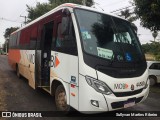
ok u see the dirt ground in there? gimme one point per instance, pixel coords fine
(3, 94)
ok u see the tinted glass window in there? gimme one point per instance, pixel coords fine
(155, 66)
(108, 37)
(60, 38)
(13, 40)
(66, 43)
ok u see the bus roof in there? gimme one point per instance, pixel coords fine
(65, 5)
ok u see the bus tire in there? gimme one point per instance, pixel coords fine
(17, 72)
(61, 100)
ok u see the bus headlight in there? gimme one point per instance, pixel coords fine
(99, 86)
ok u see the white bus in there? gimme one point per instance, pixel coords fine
(87, 59)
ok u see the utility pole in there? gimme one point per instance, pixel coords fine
(25, 18)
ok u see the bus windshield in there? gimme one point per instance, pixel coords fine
(108, 37)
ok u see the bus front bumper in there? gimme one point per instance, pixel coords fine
(115, 103)
(95, 102)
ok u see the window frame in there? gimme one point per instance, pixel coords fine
(152, 66)
(64, 49)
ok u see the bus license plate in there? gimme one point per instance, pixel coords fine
(129, 104)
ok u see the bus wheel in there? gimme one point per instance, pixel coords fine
(17, 72)
(61, 99)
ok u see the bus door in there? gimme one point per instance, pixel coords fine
(66, 55)
(43, 56)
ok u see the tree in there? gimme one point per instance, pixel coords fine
(8, 31)
(5, 46)
(152, 48)
(59, 2)
(87, 2)
(128, 15)
(149, 13)
(42, 8)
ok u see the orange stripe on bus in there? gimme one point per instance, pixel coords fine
(14, 55)
(57, 61)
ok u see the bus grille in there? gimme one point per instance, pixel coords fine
(124, 94)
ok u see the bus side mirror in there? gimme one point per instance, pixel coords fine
(65, 26)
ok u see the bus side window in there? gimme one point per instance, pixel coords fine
(59, 36)
(66, 43)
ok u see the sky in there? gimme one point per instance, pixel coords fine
(11, 10)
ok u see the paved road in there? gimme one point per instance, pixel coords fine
(16, 95)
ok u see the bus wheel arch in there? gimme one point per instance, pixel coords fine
(60, 94)
(54, 86)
